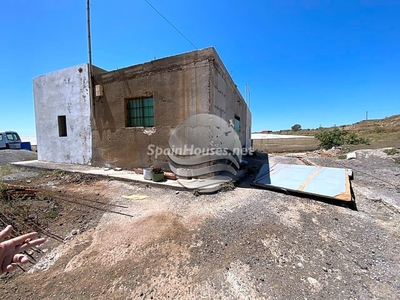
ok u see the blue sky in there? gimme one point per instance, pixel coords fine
(308, 62)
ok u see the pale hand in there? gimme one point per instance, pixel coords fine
(10, 250)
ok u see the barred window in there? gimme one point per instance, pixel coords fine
(140, 112)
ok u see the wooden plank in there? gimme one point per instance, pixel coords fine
(346, 196)
(309, 178)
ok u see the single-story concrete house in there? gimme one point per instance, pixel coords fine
(112, 121)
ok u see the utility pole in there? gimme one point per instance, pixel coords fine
(89, 51)
(247, 95)
(366, 115)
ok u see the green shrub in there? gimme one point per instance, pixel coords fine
(331, 138)
(337, 137)
(342, 156)
(353, 139)
(391, 151)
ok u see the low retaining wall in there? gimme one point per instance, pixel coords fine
(286, 144)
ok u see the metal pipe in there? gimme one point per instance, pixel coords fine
(89, 51)
(249, 100)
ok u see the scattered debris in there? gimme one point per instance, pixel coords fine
(170, 175)
(135, 197)
(351, 155)
(138, 170)
(306, 161)
(227, 186)
(9, 191)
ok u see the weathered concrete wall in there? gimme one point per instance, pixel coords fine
(65, 92)
(248, 129)
(227, 102)
(286, 144)
(180, 89)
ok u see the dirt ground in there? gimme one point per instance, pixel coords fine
(247, 243)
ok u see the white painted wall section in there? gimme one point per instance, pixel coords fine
(63, 93)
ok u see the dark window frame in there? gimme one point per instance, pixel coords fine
(16, 136)
(62, 126)
(237, 119)
(10, 137)
(139, 112)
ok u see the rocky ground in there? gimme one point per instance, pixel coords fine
(246, 243)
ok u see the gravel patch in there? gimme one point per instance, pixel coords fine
(20, 175)
(375, 175)
(9, 156)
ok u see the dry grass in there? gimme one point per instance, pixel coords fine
(381, 133)
(5, 170)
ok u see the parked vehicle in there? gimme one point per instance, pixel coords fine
(10, 140)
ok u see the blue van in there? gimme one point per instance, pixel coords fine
(10, 140)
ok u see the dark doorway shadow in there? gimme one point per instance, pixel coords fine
(250, 168)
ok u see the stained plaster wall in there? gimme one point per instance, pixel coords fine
(227, 102)
(64, 92)
(180, 86)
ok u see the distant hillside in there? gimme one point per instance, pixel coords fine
(386, 125)
(381, 132)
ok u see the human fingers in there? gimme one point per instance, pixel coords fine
(29, 244)
(19, 240)
(11, 260)
(10, 268)
(20, 258)
(7, 260)
(12, 255)
(5, 232)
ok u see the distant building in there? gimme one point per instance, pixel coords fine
(131, 108)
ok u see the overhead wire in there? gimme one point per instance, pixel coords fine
(172, 25)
